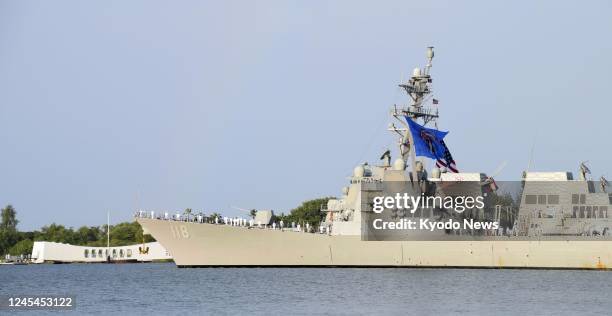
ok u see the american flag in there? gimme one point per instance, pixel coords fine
(448, 161)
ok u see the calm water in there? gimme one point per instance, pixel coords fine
(165, 289)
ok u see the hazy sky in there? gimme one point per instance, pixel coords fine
(114, 105)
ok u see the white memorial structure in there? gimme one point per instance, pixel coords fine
(45, 251)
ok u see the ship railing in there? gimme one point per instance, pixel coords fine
(192, 218)
(235, 222)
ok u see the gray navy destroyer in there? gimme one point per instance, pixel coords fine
(554, 222)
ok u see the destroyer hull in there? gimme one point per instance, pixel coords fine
(209, 245)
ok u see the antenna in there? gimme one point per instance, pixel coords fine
(137, 200)
(240, 208)
(499, 168)
(603, 182)
(530, 157)
(530, 163)
(584, 170)
(430, 55)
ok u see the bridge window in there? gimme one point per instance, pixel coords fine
(86, 253)
(610, 197)
(121, 253)
(575, 199)
(93, 253)
(582, 198)
(129, 253)
(604, 210)
(553, 199)
(582, 212)
(531, 199)
(588, 211)
(575, 213)
(595, 211)
(541, 199)
(114, 253)
(100, 253)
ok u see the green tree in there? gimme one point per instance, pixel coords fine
(124, 234)
(24, 247)
(308, 212)
(213, 216)
(58, 233)
(17, 243)
(7, 239)
(253, 213)
(9, 218)
(87, 235)
(8, 229)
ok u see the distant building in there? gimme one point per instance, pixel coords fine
(45, 251)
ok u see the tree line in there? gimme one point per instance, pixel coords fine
(15, 242)
(308, 212)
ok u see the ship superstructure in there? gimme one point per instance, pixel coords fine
(345, 215)
(554, 204)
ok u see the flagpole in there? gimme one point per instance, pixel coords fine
(107, 235)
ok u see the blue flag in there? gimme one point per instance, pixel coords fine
(427, 141)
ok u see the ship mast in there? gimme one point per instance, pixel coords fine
(419, 90)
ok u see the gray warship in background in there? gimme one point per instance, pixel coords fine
(555, 222)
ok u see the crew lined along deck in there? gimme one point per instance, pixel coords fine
(260, 221)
